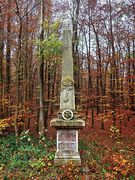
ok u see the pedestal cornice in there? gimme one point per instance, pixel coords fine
(67, 124)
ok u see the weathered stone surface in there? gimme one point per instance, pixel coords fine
(67, 124)
(67, 97)
(59, 161)
(68, 121)
(67, 147)
(67, 140)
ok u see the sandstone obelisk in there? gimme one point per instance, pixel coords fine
(68, 122)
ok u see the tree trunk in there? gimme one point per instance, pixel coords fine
(76, 7)
(19, 50)
(1, 62)
(113, 62)
(41, 75)
(92, 119)
(8, 50)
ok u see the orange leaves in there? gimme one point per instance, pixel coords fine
(109, 176)
(69, 171)
(117, 166)
(122, 165)
(4, 101)
(104, 117)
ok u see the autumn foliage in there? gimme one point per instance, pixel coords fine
(104, 75)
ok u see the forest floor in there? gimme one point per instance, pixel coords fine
(107, 153)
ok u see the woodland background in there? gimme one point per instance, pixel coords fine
(31, 55)
(103, 36)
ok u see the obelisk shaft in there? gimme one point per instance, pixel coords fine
(67, 97)
(68, 122)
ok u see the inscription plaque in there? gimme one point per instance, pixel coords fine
(67, 136)
(67, 140)
(67, 146)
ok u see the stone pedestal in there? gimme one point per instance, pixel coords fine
(67, 140)
(67, 147)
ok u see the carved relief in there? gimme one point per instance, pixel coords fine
(67, 87)
(67, 83)
(66, 97)
(67, 114)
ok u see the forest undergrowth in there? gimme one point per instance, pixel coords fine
(105, 154)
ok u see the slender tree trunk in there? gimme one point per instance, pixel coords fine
(27, 70)
(54, 79)
(1, 62)
(92, 118)
(97, 95)
(89, 70)
(133, 79)
(41, 75)
(19, 50)
(76, 8)
(100, 89)
(8, 50)
(113, 62)
(26, 59)
(130, 79)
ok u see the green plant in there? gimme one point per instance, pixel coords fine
(37, 164)
(7, 147)
(25, 137)
(50, 156)
(51, 46)
(19, 161)
(83, 145)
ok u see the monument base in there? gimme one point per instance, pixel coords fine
(63, 159)
(67, 147)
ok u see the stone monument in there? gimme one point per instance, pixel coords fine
(68, 121)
